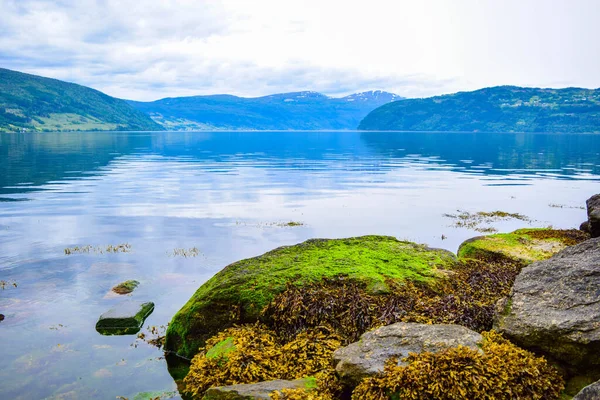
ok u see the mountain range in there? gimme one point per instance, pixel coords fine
(34, 103)
(494, 109)
(285, 111)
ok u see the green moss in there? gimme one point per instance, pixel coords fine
(221, 349)
(311, 382)
(120, 323)
(508, 307)
(576, 383)
(240, 291)
(523, 245)
(125, 287)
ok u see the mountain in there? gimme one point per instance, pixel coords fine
(33, 103)
(495, 109)
(286, 111)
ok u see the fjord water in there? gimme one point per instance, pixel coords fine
(229, 194)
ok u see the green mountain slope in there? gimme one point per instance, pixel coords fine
(33, 103)
(286, 111)
(495, 109)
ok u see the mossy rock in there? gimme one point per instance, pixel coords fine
(523, 246)
(125, 318)
(125, 287)
(239, 292)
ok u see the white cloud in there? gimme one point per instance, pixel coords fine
(157, 48)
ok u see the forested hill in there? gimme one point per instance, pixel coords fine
(286, 111)
(33, 103)
(495, 109)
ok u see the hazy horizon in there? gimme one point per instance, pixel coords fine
(172, 48)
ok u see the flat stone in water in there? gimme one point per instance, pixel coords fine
(257, 391)
(125, 318)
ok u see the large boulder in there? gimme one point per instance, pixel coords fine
(590, 392)
(554, 306)
(239, 292)
(367, 357)
(523, 246)
(258, 391)
(593, 212)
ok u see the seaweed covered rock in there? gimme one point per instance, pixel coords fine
(501, 371)
(368, 356)
(590, 392)
(252, 353)
(593, 212)
(523, 246)
(239, 292)
(465, 296)
(258, 391)
(554, 306)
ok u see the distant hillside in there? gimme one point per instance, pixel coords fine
(34, 103)
(300, 110)
(496, 109)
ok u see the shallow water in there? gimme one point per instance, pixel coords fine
(229, 194)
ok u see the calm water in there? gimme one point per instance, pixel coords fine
(225, 193)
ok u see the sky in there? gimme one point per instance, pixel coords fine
(151, 49)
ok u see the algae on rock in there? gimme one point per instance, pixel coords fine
(524, 245)
(239, 292)
(125, 318)
(125, 287)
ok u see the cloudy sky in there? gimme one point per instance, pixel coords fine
(149, 49)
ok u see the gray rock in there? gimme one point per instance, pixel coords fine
(125, 318)
(260, 390)
(554, 306)
(368, 356)
(590, 392)
(585, 226)
(593, 212)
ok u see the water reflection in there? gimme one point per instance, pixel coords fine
(228, 194)
(31, 161)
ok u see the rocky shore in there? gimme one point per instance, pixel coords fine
(512, 316)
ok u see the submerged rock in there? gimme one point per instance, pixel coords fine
(261, 390)
(522, 246)
(367, 357)
(239, 292)
(125, 287)
(125, 318)
(593, 212)
(590, 392)
(554, 306)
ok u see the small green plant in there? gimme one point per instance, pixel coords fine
(181, 252)
(291, 224)
(4, 284)
(118, 248)
(476, 221)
